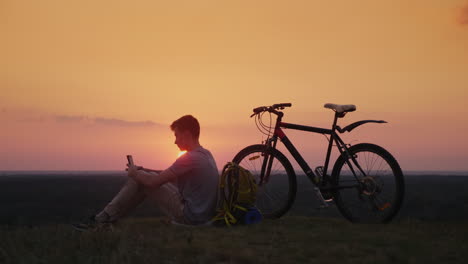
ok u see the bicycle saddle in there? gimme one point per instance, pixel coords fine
(341, 108)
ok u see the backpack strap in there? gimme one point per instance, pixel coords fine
(230, 178)
(224, 212)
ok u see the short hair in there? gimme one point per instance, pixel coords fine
(187, 123)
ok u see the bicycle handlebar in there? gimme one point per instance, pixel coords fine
(282, 106)
(271, 109)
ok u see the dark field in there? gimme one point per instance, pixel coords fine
(292, 239)
(37, 199)
(35, 212)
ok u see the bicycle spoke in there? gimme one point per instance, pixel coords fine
(378, 197)
(277, 191)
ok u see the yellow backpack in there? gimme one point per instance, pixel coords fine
(237, 193)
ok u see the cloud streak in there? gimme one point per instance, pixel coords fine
(124, 123)
(70, 119)
(462, 17)
(105, 121)
(36, 116)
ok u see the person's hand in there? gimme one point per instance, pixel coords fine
(132, 170)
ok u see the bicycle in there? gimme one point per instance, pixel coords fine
(366, 182)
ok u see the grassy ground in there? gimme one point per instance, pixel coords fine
(288, 240)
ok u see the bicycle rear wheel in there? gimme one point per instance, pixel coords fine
(376, 196)
(276, 194)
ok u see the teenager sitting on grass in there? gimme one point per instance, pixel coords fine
(186, 191)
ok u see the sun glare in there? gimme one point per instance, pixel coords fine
(182, 153)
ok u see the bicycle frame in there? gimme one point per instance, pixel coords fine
(342, 148)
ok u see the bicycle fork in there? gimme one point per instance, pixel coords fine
(267, 161)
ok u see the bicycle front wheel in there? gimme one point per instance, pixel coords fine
(374, 193)
(277, 191)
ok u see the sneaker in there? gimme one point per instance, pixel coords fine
(327, 194)
(91, 225)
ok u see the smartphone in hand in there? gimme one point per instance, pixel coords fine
(130, 162)
(130, 159)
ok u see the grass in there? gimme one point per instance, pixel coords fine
(288, 240)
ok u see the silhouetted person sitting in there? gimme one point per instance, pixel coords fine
(186, 191)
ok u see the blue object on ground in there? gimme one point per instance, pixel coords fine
(252, 216)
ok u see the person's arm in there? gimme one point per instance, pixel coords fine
(150, 170)
(150, 178)
(145, 169)
(181, 166)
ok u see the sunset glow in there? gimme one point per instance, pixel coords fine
(83, 83)
(181, 153)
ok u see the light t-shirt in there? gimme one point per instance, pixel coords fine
(197, 180)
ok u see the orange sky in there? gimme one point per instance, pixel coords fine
(83, 83)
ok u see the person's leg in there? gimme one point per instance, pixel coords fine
(128, 198)
(169, 200)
